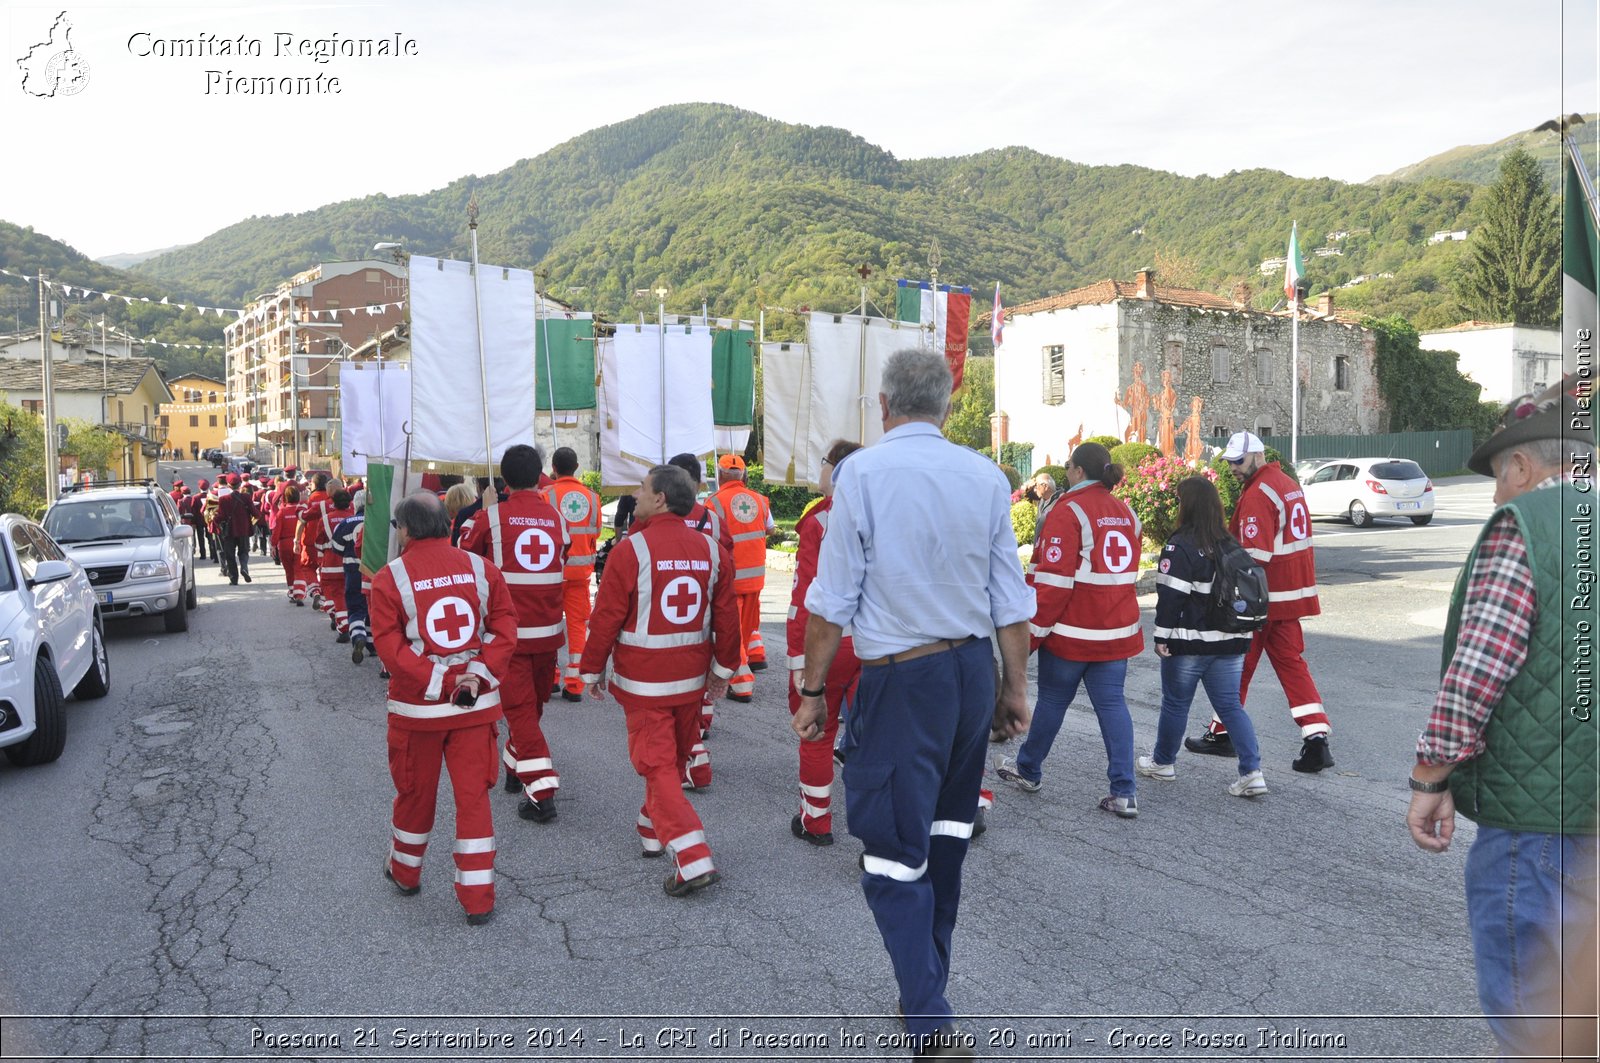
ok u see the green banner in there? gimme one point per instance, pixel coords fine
(375, 533)
(733, 377)
(572, 367)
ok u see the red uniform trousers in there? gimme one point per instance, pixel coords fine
(659, 740)
(1285, 646)
(414, 761)
(523, 691)
(576, 606)
(330, 577)
(291, 574)
(816, 758)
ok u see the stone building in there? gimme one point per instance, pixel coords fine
(1506, 360)
(1066, 367)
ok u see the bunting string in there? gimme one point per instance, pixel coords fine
(258, 314)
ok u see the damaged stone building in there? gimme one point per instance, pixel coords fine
(1066, 367)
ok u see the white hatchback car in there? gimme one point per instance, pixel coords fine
(51, 640)
(1365, 488)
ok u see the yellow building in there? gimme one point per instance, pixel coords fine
(195, 419)
(122, 396)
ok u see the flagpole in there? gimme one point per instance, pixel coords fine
(549, 370)
(52, 461)
(661, 337)
(861, 372)
(1294, 382)
(1589, 195)
(477, 310)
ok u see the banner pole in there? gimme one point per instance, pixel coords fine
(477, 310)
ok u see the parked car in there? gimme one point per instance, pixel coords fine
(1365, 488)
(138, 554)
(51, 640)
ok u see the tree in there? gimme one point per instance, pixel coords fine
(1513, 267)
(970, 406)
(1425, 390)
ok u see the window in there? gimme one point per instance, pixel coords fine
(1264, 367)
(331, 304)
(1174, 360)
(194, 420)
(1221, 364)
(164, 420)
(1263, 428)
(391, 287)
(1324, 474)
(1398, 470)
(211, 396)
(33, 405)
(1219, 430)
(121, 415)
(1054, 361)
(27, 551)
(374, 276)
(213, 420)
(1341, 373)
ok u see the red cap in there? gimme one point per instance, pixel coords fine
(203, 484)
(233, 479)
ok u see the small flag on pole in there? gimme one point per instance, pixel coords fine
(945, 311)
(1580, 254)
(1294, 266)
(998, 326)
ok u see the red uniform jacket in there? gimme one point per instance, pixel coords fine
(1272, 522)
(811, 527)
(286, 523)
(706, 520)
(666, 606)
(527, 541)
(324, 517)
(438, 615)
(1085, 566)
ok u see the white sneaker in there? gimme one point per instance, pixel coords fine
(1147, 766)
(1006, 768)
(1251, 785)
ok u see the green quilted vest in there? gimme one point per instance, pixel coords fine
(1541, 762)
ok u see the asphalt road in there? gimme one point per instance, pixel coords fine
(199, 875)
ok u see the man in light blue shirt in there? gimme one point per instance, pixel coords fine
(921, 562)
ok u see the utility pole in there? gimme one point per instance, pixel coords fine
(52, 459)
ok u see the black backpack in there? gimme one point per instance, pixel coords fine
(1238, 600)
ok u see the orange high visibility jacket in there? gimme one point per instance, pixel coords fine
(745, 512)
(580, 512)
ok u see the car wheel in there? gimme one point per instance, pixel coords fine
(1359, 515)
(50, 721)
(96, 682)
(1420, 521)
(177, 618)
(191, 597)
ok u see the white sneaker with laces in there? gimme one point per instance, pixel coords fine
(1251, 785)
(1146, 765)
(1006, 768)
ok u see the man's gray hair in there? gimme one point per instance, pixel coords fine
(1558, 452)
(916, 384)
(422, 516)
(675, 484)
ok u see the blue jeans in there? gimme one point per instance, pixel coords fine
(1531, 906)
(1180, 675)
(1058, 685)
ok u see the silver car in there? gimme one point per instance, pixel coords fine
(138, 554)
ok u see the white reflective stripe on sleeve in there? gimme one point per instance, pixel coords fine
(950, 828)
(475, 845)
(750, 573)
(404, 858)
(481, 670)
(721, 672)
(1036, 631)
(797, 663)
(435, 683)
(1093, 634)
(1291, 596)
(590, 680)
(474, 878)
(657, 690)
(1259, 555)
(1052, 579)
(1106, 579)
(536, 764)
(677, 638)
(695, 869)
(1182, 586)
(1294, 546)
(794, 611)
(410, 838)
(1191, 635)
(875, 865)
(816, 791)
(539, 632)
(442, 709)
(531, 579)
(684, 841)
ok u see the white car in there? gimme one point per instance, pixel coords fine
(1365, 488)
(138, 553)
(51, 640)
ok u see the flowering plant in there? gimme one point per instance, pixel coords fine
(1151, 491)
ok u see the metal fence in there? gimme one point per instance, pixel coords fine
(1437, 452)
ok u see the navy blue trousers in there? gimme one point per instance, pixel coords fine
(355, 604)
(917, 734)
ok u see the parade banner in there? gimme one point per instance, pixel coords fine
(566, 344)
(449, 388)
(944, 315)
(374, 409)
(733, 371)
(616, 470)
(675, 385)
(786, 412)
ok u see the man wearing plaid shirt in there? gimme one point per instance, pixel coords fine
(1511, 742)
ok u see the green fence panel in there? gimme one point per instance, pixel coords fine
(1439, 453)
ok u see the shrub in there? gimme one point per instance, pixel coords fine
(1228, 486)
(1109, 442)
(591, 480)
(1059, 472)
(1151, 491)
(1013, 477)
(1024, 522)
(787, 502)
(1132, 455)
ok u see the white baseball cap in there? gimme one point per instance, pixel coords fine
(1242, 443)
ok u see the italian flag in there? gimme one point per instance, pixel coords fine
(1579, 255)
(1294, 267)
(947, 310)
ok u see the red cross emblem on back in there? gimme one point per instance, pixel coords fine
(450, 622)
(681, 602)
(533, 549)
(1116, 551)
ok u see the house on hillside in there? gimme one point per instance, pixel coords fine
(125, 397)
(1067, 363)
(79, 346)
(1506, 360)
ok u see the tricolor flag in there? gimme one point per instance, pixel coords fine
(998, 327)
(947, 311)
(1294, 266)
(1580, 253)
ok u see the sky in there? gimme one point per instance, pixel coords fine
(153, 151)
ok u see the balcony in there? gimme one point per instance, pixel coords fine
(139, 432)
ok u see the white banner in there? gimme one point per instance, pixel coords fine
(682, 391)
(447, 420)
(374, 411)
(615, 469)
(786, 412)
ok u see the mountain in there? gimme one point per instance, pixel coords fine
(126, 259)
(1479, 164)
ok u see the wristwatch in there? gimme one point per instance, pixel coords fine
(1429, 787)
(817, 693)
